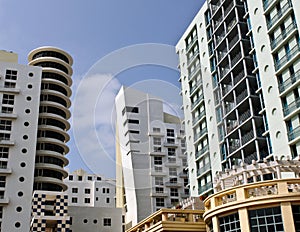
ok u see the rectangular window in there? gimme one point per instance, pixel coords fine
(268, 219)
(182, 143)
(99, 178)
(1, 211)
(106, 221)
(173, 171)
(3, 164)
(103, 190)
(74, 199)
(158, 168)
(107, 200)
(4, 136)
(4, 152)
(131, 132)
(89, 178)
(157, 149)
(11, 75)
(8, 99)
(160, 202)
(159, 181)
(170, 133)
(156, 141)
(159, 190)
(133, 121)
(7, 110)
(157, 160)
(171, 141)
(130, 109)
(107, 190)
(5, 125)
(87, 200)
(156, 130)
(87, 191)
(2, 181)
(79, 178)
(74, 190)
(8, 84)
(174, 192)
(171, 152)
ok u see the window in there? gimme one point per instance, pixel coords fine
(173, 171)
(171, 141)
(74, 190)
(90, 178)
(8, 84)
(157, 149)
(171, 151)
(158, 169)
(174, 192)
(159, 181)
(231, 221)
(70, 177)
(103, 190)
(87, 200)
(11, 75)
(97, 189)
(170, 133)
(74, 199)
(173, 180)
(156, 130)
(87, 191)
(3, 164)
(7, 110)
(159, 189)
(8, 99)
(98, 178)
(131, 132)
(130, 109)
(79, 178)
(5, 125)
(107, 200)
(183, 143)
(156, 141)
(2, 181)
(132, 121)
(106, 221)
(174, 201)
(157, 160)
(160, 202)
(268, 219)
(4, 152)
(107, 190)
(4, 136)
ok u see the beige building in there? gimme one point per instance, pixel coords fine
(172, 220)
(257, 197)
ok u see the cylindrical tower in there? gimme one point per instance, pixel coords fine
(53, 115)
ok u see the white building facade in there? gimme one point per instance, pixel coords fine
(239, 64)
(151, 154)
(90, 190)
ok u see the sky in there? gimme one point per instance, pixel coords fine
(113, 43)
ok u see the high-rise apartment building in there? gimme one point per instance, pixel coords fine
(33, 131)
(239, 64)
(150, 155)
(90, 190)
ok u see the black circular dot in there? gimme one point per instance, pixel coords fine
(17, 224)
(25, 137)
(23, 164)
(29, 86)
(26, 124)
(20, 194)
(30, 74)
(21, 179)
(27, 111)
(24, 150)
(19, 209)
(95, 221)
(28, 98)
(85, 221)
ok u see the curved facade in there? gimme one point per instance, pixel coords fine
(53, 115)
(258, 197)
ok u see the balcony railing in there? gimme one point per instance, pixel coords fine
(224, 72)
(267, 3)
(229, 7)
(196, 69)
(294, 133)
(276, 17)
(290, 81)
(200, 134)
(241, 96)
(203, 169)
(192, 57)
(247, 137)
(231, 126)
(191, 43)
(288, 56)
(195, 86)
(202, 151)
(205, 187)
(200, 98)
(229, 106)
(233, 41)
(173, 184)
(244, 116)
(291, 107)
(236, 59)
(238, 77)
(198, 117)
(283, 35)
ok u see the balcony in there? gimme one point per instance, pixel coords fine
(233, 41)
(226, 89)
(294, 133)
(289, 82)
(267, 3)
(201, 152)
(173, 184)
(283, 35)
(191, 43)
(244, 116)
(155, 193)
(195, 70)
(203, 169)
(229, 8)
(200, 134)
(229, 106)
(241, 96)
(171, 144)
(190, 60)
(236, 59)
(195, 86)
(205, 187)
(232, 125)
(238, 77)
(199, 99)
(279, 14)
(201, 115)
(288, 56)
(224, 71)
(291, 107)
(247, 137)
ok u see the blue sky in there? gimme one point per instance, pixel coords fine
(90, 31)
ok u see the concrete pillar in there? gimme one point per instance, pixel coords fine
(287, 217)
(244, 220)
(215, 223)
